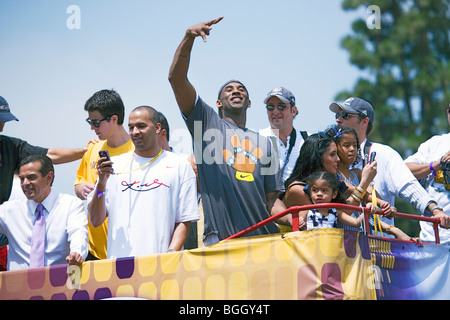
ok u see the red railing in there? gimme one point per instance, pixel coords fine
(294, 211)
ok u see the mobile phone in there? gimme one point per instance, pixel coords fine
(372, 157)
(105, 154)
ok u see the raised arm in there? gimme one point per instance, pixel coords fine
(97, 206)
(184, 91)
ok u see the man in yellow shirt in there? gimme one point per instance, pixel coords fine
(106, 115)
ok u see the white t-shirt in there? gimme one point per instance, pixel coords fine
(432, 150)
(144, 202)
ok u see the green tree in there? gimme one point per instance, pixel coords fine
(405, 67)
(405, 70)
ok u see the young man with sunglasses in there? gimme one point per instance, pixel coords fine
(281, 112)
(236, 194)
(431, 165)
(393, 179)
(105, 117)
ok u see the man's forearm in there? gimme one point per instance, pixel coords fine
(97, 208)
(182, 88)
(180, 235)
(64, 155)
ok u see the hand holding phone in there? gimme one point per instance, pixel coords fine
(105, 154)
(372, 157)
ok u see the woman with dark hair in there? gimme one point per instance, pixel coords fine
(318, 153)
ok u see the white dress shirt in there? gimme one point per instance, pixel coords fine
(394, 179)
(66, 229)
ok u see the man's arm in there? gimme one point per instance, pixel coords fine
(97, 206)
(184, 91)
(420, 170)
(180, 234)
(77, 234)
(275, 206)
(83, 189)
(64, 155)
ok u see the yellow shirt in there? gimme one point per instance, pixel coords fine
(87, 172)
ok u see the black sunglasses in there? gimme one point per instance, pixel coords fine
(96, 123)
(271, 107)
(345, 115)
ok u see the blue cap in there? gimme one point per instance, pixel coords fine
(5, 112)
(355, 105)
(281, 93)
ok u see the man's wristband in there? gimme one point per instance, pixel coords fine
(99, 193)
(432, 169)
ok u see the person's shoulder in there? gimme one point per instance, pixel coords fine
(173, 157)
(437, 139)
(94, 146)
(11, 140)
(266, 132)
(68, 199)
(14, 204)
(384, 148)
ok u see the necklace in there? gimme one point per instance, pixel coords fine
(143, 166)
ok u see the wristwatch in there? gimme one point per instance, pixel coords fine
(429, 213)
(436, 207)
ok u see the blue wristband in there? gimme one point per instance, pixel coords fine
(99, 193)
(432, 170)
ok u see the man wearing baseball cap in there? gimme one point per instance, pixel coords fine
(281, 112)
(5, 112)
(394, 179)
(13, 151)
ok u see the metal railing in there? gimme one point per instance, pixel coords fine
(294, 211)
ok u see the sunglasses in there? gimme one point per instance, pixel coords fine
(346, 115)
(271, 107)
(96, 123)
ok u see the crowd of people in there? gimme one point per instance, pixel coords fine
(133, 195)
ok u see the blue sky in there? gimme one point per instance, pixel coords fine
(49, 71)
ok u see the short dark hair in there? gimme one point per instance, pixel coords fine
(153, 114)
(333, 182)
(164, 124)
(46, 163)
(108, 103)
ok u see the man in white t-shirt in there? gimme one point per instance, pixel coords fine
(430, 164)
(393, 179)
(281, 111)
(149, 195)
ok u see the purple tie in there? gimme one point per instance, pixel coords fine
(38, 239)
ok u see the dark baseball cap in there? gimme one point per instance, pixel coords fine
(281, 93)
(227, 83)
(5, 112)
(355, 105)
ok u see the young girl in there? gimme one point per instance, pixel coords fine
(324, 187)
(348, 150)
